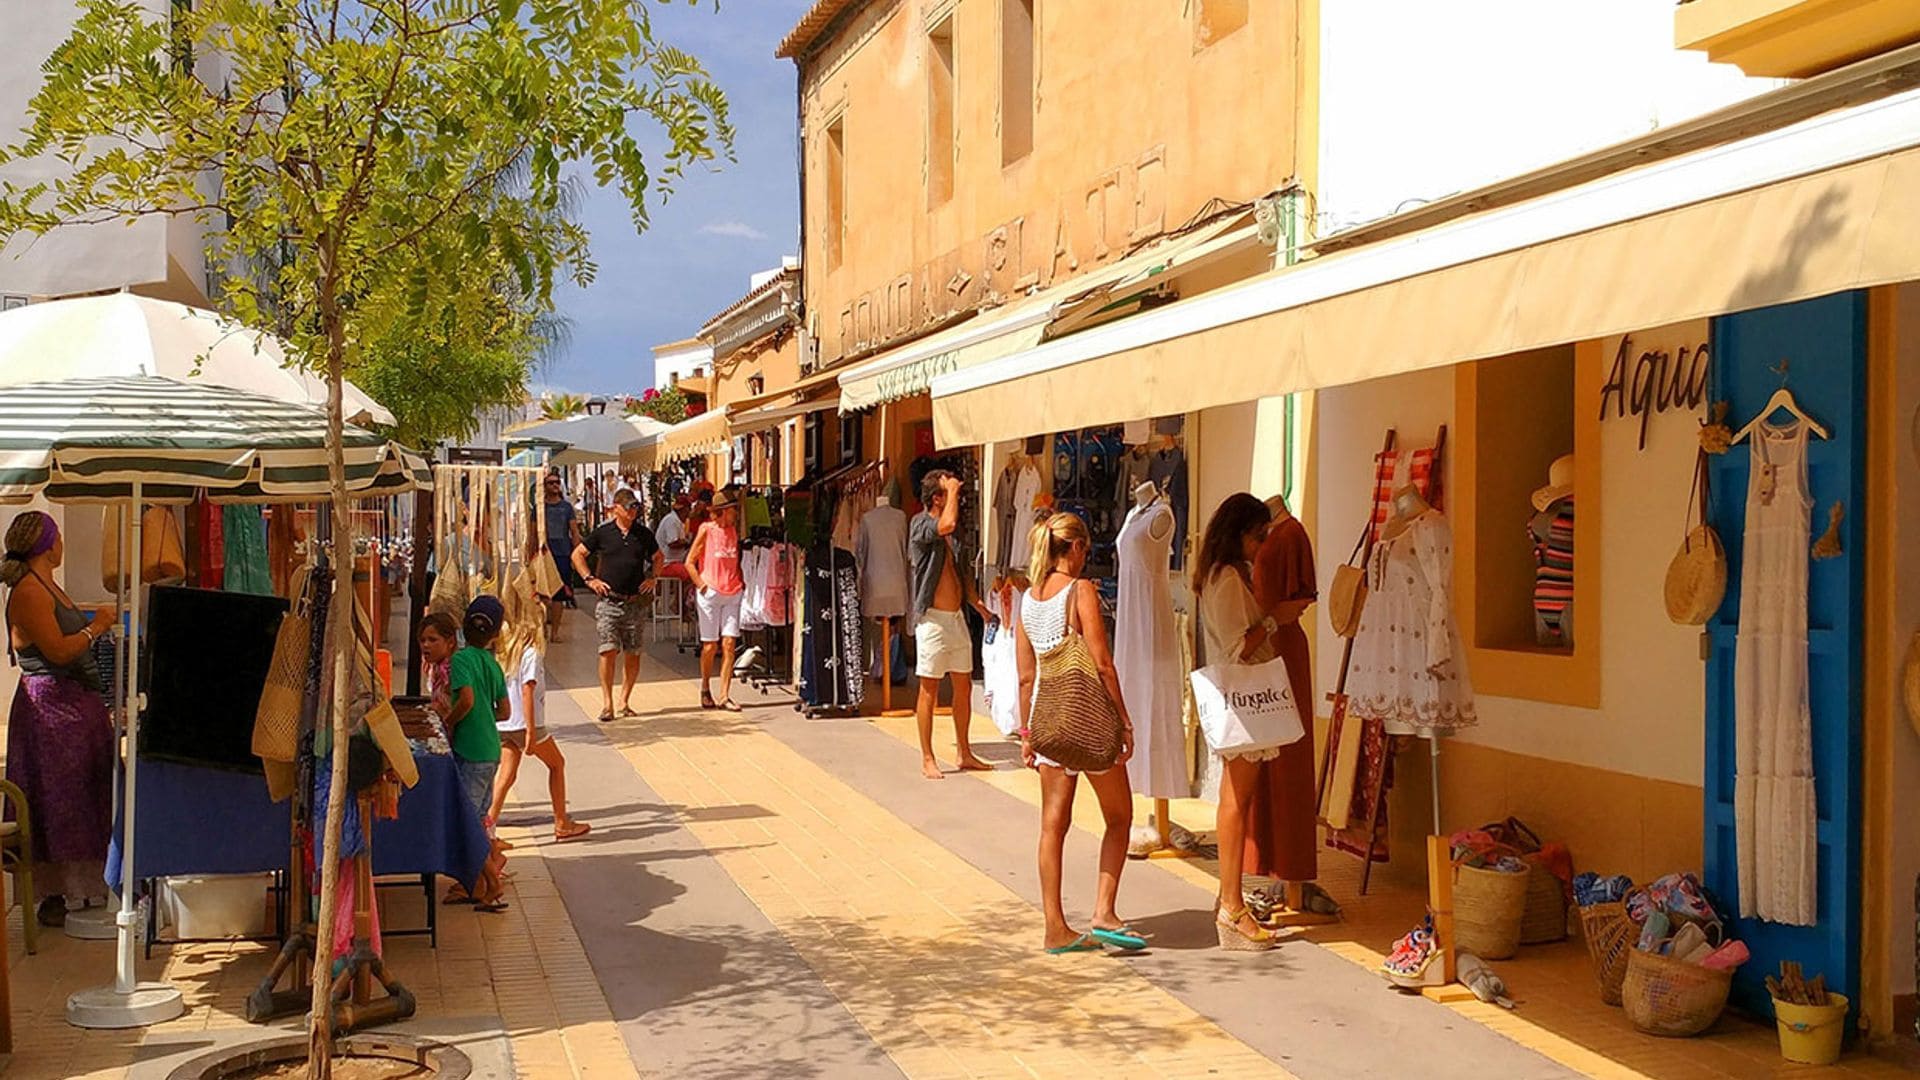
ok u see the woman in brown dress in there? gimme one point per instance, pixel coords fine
(1281, 841)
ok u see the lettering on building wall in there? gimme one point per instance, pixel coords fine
(1655, 382)
(1090, 224)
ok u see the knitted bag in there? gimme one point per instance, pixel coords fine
(1074, 721)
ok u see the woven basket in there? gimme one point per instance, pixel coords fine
(276, 721)
(1487, 908)
(1545, 918)
(1610, 936)
(1664, 996)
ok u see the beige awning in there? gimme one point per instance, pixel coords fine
(1022, 324)
(748, 421)
(1765, 222)
(695, 436)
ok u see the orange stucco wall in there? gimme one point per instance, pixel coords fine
(1136, 124)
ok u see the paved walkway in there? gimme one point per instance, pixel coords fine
(766, 895)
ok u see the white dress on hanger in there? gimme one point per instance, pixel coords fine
(1025, 489)
(1001, 660)
(1146, 654)
(1409, 666)
(1774, 816)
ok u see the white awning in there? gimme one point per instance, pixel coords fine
(1022, 324)
(1825, 205)
(695, 436)
(770, 416)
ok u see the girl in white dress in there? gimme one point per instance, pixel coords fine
(1060, 546)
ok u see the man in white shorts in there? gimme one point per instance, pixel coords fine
(941, 640)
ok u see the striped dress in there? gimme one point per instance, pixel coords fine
(1553, 574)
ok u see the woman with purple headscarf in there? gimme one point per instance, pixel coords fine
(59, 737)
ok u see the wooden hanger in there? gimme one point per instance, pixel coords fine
(1782, 399)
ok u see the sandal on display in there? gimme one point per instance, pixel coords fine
(1317, 899)
(1410, 965)
(1083, 943)
(1125, 938)
(1233, 939)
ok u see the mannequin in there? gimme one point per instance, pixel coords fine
(880, 553)
(1146, 656)
(1167, 468)
(1014, 492)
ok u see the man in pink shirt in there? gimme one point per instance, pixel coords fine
(713, 568)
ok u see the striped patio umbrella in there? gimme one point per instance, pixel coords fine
(91, 439)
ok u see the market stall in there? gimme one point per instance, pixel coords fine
(151, 440)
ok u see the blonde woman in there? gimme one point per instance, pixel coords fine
(521, 651)
(1058, 604)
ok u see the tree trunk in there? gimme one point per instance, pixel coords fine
(340, 615)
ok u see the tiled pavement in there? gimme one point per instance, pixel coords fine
(766, 895)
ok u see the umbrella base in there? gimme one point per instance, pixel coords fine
(105, 1007)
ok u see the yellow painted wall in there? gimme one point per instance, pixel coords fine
(1619, 783)
(778, 362)
(1136, 126)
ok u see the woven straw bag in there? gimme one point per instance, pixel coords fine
(1545, 918)
(382, 722)
(1487, 909)
(276, 721)
(1074, 722)
(1697, 577)
(1664, 996)
(1610, 936)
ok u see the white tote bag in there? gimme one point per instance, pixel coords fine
(1246, 707)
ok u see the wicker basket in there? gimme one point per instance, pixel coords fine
(1487, 909)
(1610, 936)
(1664, 996)
(1545, 918)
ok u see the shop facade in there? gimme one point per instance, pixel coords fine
(1595, 321)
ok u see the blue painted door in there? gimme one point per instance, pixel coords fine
(1824, 343)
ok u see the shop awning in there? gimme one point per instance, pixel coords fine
(695, 436)
(1825, 205)
(1023, 324)
(748, 421)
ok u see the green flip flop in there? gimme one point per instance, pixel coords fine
(1125, 938)
(1083, 943)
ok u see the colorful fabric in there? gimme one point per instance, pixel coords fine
(244, 531)
(1590, 889)
(60, 752)
(1553, 571)
(1420, 475)
(1375, 774)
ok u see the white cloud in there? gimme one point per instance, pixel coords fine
(738, 230)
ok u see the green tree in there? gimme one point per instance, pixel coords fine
(561, 406)
(360, 159)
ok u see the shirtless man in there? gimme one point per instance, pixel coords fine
(940, 636)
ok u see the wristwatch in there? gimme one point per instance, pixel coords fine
(1270, 625)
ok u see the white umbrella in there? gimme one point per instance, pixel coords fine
(588, 439)
(122, 334)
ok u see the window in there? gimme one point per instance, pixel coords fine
(756, 385)
(1016, 79)
(1531, 633)
(853, 430)
(1215, 19)
(836, 181)
(941, 128)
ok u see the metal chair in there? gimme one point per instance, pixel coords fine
(16, 858)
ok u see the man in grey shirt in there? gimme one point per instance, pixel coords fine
(942, 643)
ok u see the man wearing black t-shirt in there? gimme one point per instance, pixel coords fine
(628, 561)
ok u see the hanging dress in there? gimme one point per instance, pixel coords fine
(1773, 810)
(1146, 654)
(1409, 666)
(1282, 834)
(1001, 660)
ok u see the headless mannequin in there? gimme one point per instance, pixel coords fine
(886, 637)
(1146, 496)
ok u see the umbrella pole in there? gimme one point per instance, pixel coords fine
(128, 1002)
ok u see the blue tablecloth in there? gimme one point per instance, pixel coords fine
(196, 820)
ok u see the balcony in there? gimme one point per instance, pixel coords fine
(1794, 38)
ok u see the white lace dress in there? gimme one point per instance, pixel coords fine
(1773, 809)
(1409, 665)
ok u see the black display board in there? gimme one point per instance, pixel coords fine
(206, 661)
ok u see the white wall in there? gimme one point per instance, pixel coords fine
(1420, 100)
(1650, 722)
(75, 259)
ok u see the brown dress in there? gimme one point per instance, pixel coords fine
(1281, 840)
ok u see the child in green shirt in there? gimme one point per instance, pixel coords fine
(477, 692)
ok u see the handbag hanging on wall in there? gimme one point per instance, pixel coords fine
(1697, 577)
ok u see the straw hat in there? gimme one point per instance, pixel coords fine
(1697, 578)
(1559, 483)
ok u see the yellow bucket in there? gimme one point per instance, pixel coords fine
(1810, 1034)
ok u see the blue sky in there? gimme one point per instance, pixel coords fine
(719, 228)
